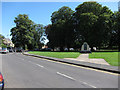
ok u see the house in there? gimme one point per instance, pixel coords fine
(8, 42)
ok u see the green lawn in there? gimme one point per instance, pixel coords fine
(57, 54)
(110, 57)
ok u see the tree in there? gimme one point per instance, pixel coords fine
(38, 36)
(61, 30)
(115, 34)
(50, 36)
(23, 32)
(92, 24)
(3, 45)
(26, 33)
(1, 36)
(1, 41)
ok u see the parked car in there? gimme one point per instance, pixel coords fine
(4, 50)
(18, 49)
(36, 49)
(0, 50)
(1, 82)
(10, 49)
(46, 49)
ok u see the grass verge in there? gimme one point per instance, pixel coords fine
(110, 57)
(56, 54)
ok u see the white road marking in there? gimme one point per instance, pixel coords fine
(75, 79)
(39, 65)
(29, 61)
(36, 64)
(65, 75)
(79, 66)
(88, 84)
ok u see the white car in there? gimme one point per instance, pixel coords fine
(4, 50)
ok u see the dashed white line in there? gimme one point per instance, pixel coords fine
(75, 79)
(29, 61)
(65, 75)
(88, 84)
(39, 65)
(36, 64)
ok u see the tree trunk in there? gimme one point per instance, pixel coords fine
(119, 48)
(68, 49)
(61, 49)
(92, 49)
(53, 49)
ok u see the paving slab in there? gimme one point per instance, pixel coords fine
(85, 58)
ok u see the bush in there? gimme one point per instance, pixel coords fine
(4, 46)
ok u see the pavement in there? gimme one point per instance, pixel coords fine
(85, 58)
(21, 71)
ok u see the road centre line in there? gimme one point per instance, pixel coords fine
(32, 62)
(65, 75)
(39, 65)
(69, 77)
(29, 61)
(88, 84)
(36, 64)
(75, 79)
(79, 66)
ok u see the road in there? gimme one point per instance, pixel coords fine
(22, 71)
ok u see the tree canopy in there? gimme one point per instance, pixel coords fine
(60, 33)
(93, 23)
(90, 22)
(26, 33)
(115, 34)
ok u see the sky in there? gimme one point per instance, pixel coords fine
(38, 12)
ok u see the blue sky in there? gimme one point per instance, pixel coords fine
(39, 12)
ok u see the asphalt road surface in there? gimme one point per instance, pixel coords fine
(22, 71)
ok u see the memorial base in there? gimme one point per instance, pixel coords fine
(85, 51)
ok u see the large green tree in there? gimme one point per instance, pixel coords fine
(26, 33)
(115, 34)
(50, 36)
(38, 36)
(93, 24)
(62, 29)
(23, 32)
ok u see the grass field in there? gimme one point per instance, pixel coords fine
(57, 54)
(110, 57)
